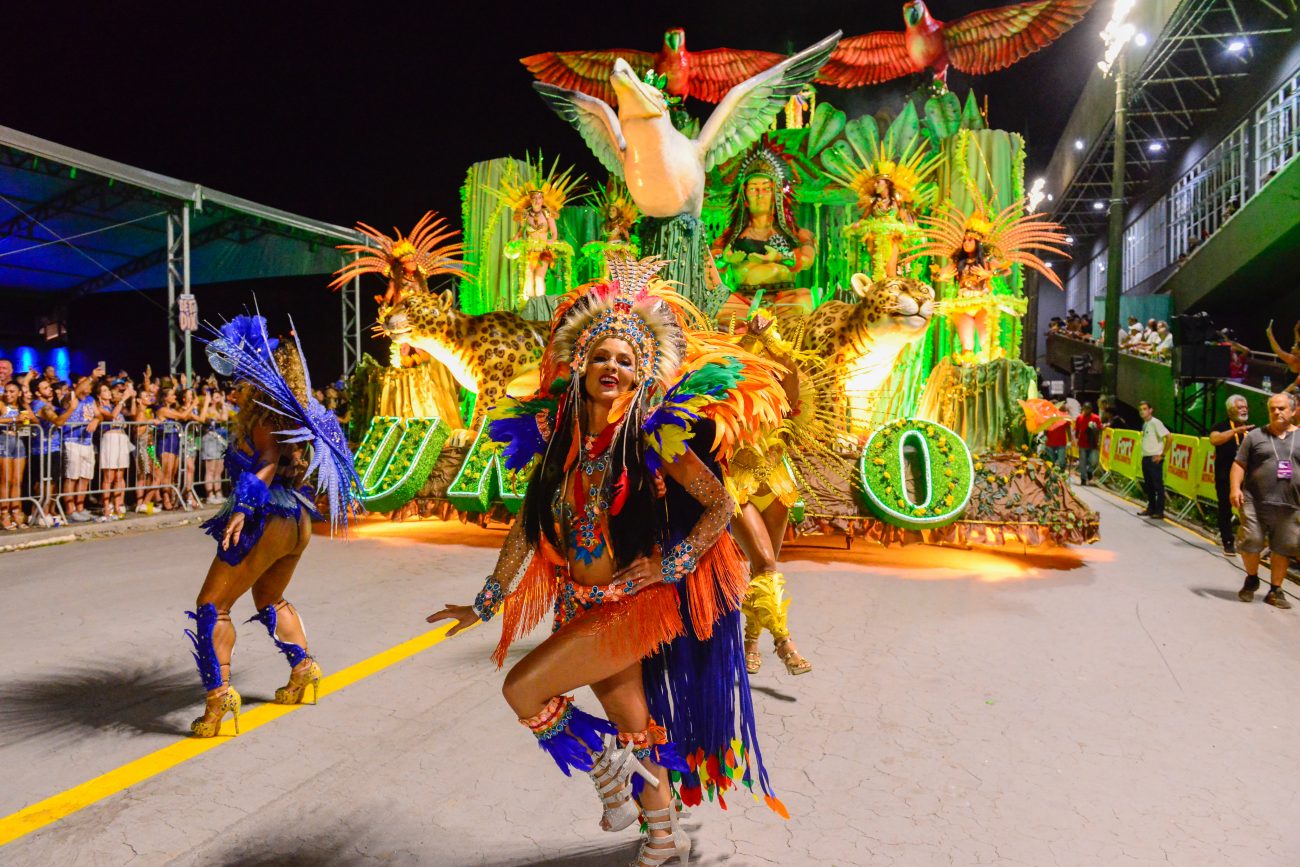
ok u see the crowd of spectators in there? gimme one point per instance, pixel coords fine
(84, 446)
(1072, 325)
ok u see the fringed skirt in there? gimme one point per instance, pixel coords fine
(688, 637)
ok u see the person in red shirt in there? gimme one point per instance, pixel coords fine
(1087, 434)
(1058, 444)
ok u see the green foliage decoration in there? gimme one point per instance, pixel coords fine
(945, 474)
(484, 480)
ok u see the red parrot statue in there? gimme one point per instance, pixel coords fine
(706, 75)
(978, 43)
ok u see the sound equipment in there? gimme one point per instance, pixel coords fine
(1202, 361)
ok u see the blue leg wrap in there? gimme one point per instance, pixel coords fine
(664, 755)
(205, 653)
(292, 652)
(574, 738)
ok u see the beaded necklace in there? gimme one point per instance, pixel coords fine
(587, 535)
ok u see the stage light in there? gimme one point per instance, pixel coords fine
(1069, 239)
(1141, 40)
(1156, 147)
(1098, 206)
(1117, 33)
(1080, 144)
(1237, 46)
(1051, 198)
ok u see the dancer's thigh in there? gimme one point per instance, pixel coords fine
(562, 663)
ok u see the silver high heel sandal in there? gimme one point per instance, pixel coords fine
(612, 773)
(656, 851)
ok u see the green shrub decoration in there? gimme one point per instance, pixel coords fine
(945, 474)
(396, 457)
(484, 480)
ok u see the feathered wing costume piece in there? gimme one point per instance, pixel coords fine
(715, 398)
(1011, 237)
(242, 350)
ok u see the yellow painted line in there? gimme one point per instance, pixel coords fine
(64, 804)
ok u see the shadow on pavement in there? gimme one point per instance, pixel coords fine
(1217, 593)
(99, 697)
(769, 691)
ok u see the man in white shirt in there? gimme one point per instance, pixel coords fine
(1165, 348)
(1155, 442)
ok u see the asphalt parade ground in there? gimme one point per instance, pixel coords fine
(1111, 705)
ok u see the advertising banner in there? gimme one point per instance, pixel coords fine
(1126, 454)
(1205, 478)
(1107, 443)
(1182, 469)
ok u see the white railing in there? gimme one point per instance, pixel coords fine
(1204, 198)
(1146, 250)
(1277, 131)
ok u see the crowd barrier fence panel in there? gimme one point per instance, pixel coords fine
(33, 487)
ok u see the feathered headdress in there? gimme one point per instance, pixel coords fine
(427, 246)
(615, 195)
(765, 160)
(518, 185)
(1011, 236)
(241, 349)
(632, 305)
(911, 174)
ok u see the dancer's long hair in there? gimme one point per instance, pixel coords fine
(640, 524)
(253, 414)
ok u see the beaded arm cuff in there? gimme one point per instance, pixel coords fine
(250, 494)
(679, 560)
(509, 571)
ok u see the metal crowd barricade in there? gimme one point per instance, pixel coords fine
(194, 437)
(34, 485)
(144, 464)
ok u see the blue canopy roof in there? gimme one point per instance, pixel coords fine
(73, 223)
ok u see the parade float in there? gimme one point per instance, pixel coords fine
(880, 258)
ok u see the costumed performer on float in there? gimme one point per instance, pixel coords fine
(535, 202)
(758, 477)
(977, 250)
(763, 247)
(263, 529)
(618, 214)
(646, 591)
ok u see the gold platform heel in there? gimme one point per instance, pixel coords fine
(209, 725)
(296, 688)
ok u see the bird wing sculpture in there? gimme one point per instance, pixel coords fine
(748, 108)
(585, 71)
(978, 43)
(667, 169)
(717, 70)
(594, 120)
(706, 75)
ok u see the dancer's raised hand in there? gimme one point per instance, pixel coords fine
(464, 615)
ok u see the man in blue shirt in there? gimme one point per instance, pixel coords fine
(79, 450)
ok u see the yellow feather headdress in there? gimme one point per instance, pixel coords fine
(428, 246)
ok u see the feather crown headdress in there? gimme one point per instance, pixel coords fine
(633, 305)
(427, 245)
(1009, 236)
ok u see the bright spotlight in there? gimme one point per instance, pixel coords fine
(1069, 239)
(1098, 206)
(1237, 46)
(1141, 40)
(1156, 147)
(1079, 144)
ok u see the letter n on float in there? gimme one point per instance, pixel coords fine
(484, 480)
(396, 457)
(942, 475)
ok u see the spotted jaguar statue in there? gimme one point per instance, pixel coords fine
(485, 353)
(857, 344)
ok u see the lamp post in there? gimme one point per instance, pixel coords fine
(1116, 36)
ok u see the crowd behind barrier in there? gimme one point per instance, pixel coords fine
(1188, 469)
(95, 446)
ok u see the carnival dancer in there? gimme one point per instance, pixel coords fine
(265, 525)
(646, 592)
(978, 249)
(758, 476)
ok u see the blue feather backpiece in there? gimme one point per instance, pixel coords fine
(243, 350)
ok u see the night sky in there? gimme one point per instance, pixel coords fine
(371, 112)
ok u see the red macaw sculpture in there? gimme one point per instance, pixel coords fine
(978, 43)
(706, 75)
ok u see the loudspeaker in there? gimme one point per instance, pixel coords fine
(1202, 361)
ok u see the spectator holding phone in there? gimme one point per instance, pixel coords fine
(47, 412)
(114, 447)
(215, 415)
(79, 449)
(13, 455)
(171, 414)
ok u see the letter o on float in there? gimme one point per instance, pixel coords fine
(945, 473)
